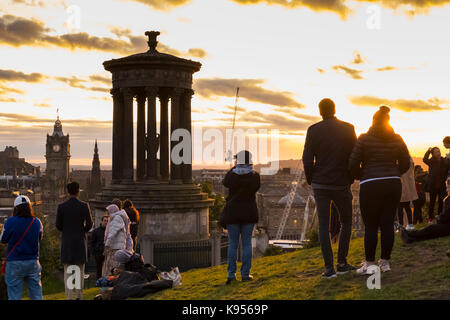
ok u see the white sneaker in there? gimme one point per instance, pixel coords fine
(384, 265)
(410, 227)
(365, 268)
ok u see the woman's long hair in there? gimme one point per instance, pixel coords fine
(129, 204)
(23, 210)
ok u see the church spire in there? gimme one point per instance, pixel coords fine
(57, 128)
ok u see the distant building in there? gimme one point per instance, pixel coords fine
(57, 170)
(271, 200)
(215, 176)
(12, 165)
(95, 183)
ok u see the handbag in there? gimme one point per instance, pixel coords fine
(3, 268)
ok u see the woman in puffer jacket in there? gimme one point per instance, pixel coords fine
(117, 237)
(378, 160)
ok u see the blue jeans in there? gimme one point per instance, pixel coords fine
(23, 270)
(234, 231)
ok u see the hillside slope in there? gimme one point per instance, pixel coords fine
(419, 271)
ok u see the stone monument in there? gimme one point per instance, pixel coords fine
(172, 207)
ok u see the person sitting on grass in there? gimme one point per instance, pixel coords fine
(440, 229)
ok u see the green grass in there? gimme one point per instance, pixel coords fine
(419, 271)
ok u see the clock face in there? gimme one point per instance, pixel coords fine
(56, 148)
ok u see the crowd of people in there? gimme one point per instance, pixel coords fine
(23, 232)
(333, 158)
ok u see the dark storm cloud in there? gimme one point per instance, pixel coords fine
(249, 89)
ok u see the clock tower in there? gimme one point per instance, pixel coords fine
(57, 156)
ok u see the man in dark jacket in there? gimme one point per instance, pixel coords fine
(240, 213)
(438, 170)
(74, 220)
(328, 146)
(432, 231)
(97, 245)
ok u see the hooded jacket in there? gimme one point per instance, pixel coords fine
(118, 235)
(379, 153)
(241, 206)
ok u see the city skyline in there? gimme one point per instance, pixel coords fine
(284, 55)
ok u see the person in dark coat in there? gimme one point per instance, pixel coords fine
(378, 160)
(432, 231)
(328, 146)
(420, 177)
(97, 245)
(133, 215)
(74, 220)
(438, 168)
(240, 213)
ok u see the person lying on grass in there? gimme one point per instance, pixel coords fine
(432, 231)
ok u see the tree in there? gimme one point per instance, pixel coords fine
(219, 200)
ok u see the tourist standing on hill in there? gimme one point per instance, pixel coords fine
(432, 231)
(22, 232)
(378, 160)
(240, 213)
(446, 143)
(420, 178)
(74, 220)
(133, 215)
(117, 237)
(438, 169)
(98, 244)
(409, 193)
(327, 149)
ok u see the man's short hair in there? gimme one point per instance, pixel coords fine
(446, 140)
(105, 216)
(327, 107)
(73, 188)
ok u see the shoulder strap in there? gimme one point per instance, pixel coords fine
(23, 235)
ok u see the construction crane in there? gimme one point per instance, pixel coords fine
(287, 209)
(229, 156)
(299, 175)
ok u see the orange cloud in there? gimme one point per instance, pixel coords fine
(249, 89)
(17, 31)
(433, 104)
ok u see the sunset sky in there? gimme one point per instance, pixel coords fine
(284, 55)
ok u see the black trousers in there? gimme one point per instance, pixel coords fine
(343, 201)
(418, 206)
(430, 232)
(99, 259)
(439, 195)
(379, 201)
(406, 206)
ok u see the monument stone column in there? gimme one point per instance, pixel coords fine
(127, 140)
(117, 168)
(140, 138)
(151, 94)
(186, 169)
(175, 121)
(164, 136)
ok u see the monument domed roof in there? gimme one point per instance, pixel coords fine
(153, 57)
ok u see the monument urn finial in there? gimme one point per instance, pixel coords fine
(152, 42)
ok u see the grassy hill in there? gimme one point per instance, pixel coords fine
(419, 271)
